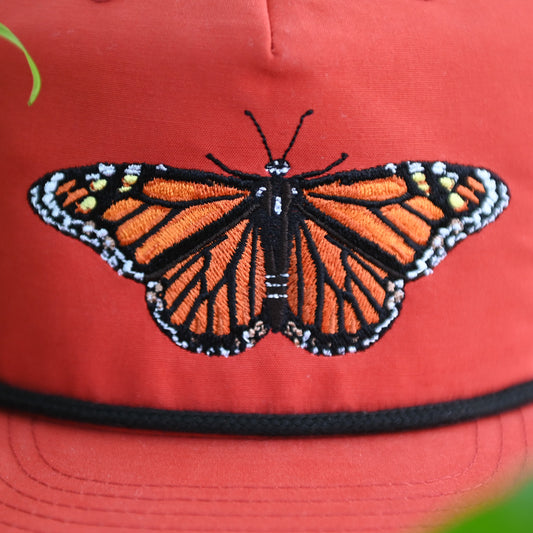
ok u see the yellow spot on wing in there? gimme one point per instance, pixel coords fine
(129, 179)
(456, 201)
(447, 183)
(97, 185)
(420, 179)
(87, 204)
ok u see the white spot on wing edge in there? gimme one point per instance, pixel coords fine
(415, 166)
(52, 213)
(439, 168)
(133, 169)
(492, 205)
(106, 170)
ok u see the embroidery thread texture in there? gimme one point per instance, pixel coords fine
(321, 258)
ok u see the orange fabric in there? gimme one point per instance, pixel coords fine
(260, 288)
(186, 276)
(292, 287)
(310, 284)
(182, 312)
(475, 184)
(199, 322)
(467, 194)
(72, 196)
(220, 257)
(351, 322)
(407, 222)
(369, 281)
(136, 227)
(425, 207)
(243, 280)
(389, 81)
(330, 255)
(221, 323)
(330, 311)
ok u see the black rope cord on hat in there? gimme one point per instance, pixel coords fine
(347, 423)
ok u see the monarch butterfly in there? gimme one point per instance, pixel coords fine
(320, 257)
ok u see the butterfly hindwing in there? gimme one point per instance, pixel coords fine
(211, 302)
(339, 301)
(360, 235)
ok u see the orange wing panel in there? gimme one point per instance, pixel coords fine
(183, 225)
(368, 225)
(373, 190)
(183, 191)
(136, 227)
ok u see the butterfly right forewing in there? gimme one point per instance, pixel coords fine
(358, 236)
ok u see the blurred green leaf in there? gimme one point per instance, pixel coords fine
(6, 33)
(514, 514)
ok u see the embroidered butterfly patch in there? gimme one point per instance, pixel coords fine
(226, 258)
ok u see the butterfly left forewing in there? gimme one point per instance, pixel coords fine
(140, 218)
(396, 222)
(186, 234)
(405, 217)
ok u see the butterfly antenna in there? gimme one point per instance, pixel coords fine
(291, 144)
(263, 138)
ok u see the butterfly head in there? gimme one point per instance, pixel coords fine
(277, 167)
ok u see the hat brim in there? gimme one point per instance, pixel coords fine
(60, 476)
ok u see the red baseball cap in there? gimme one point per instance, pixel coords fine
(251, 341)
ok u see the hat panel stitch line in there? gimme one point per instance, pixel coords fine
(247, 487)
(317, 500)
(366, 529)
(496, 468)
(467, 467)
